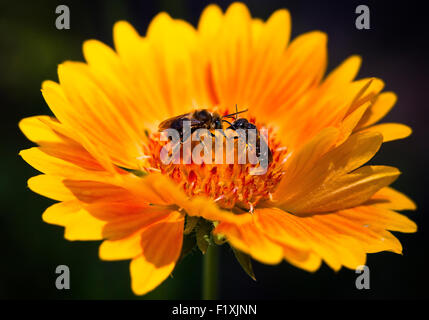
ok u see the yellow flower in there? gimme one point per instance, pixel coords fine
(99, 155)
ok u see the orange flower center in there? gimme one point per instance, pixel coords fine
(232, 186)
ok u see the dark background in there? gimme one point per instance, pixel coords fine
(395, 49)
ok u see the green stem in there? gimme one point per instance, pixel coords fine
(210, 273)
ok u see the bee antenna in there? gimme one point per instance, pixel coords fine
(234, 114)
(227, 122)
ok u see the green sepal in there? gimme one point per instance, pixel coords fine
(136, 172)
(191, 223)
(219, 239)
(245, 262)
(189, 243)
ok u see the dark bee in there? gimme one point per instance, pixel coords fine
(244, 124)
(199, 119)
(204, 119)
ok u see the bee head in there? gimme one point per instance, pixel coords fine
(217, 122)
(241, 123)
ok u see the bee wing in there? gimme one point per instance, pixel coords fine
(167, 123)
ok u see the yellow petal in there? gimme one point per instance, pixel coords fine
(344, 73)
(352, 154)
(274, 223)
(36, 130)
(267, 52)
(338, 240)
(128, 245)
(92, 191)
(305, 51)
(61, 213)
(379, 218)
(159, 189)
(389, 198)
(101, 58)
(335, 247)
(382, 105)
(180, 65)
(78, 223)
(302, 67)
(249, 239)
(107, 211)
(60, 106)
(55, 166)
(230, 56)
(51, 187)
(351, 121)
(210, 22)
(161, 245)
(370, 239)
(155, 188)
(332, 178)
(303, 161)
(72, 153)
(325, 106)
(122, 227)
(371, 89)
(310, 262)
(127, 41)
(103, 121)
(391, 131)
(143, 74)
(55, 140)
(122, 249)
(114, 80)
(206, 208)
(344, 191)
(84, 227)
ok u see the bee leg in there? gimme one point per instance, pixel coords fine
(206, 151)
(185, 138)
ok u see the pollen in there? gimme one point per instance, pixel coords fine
(232, 186)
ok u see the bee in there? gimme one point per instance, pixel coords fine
(204, 119)
(244, 124)
(199, 119)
